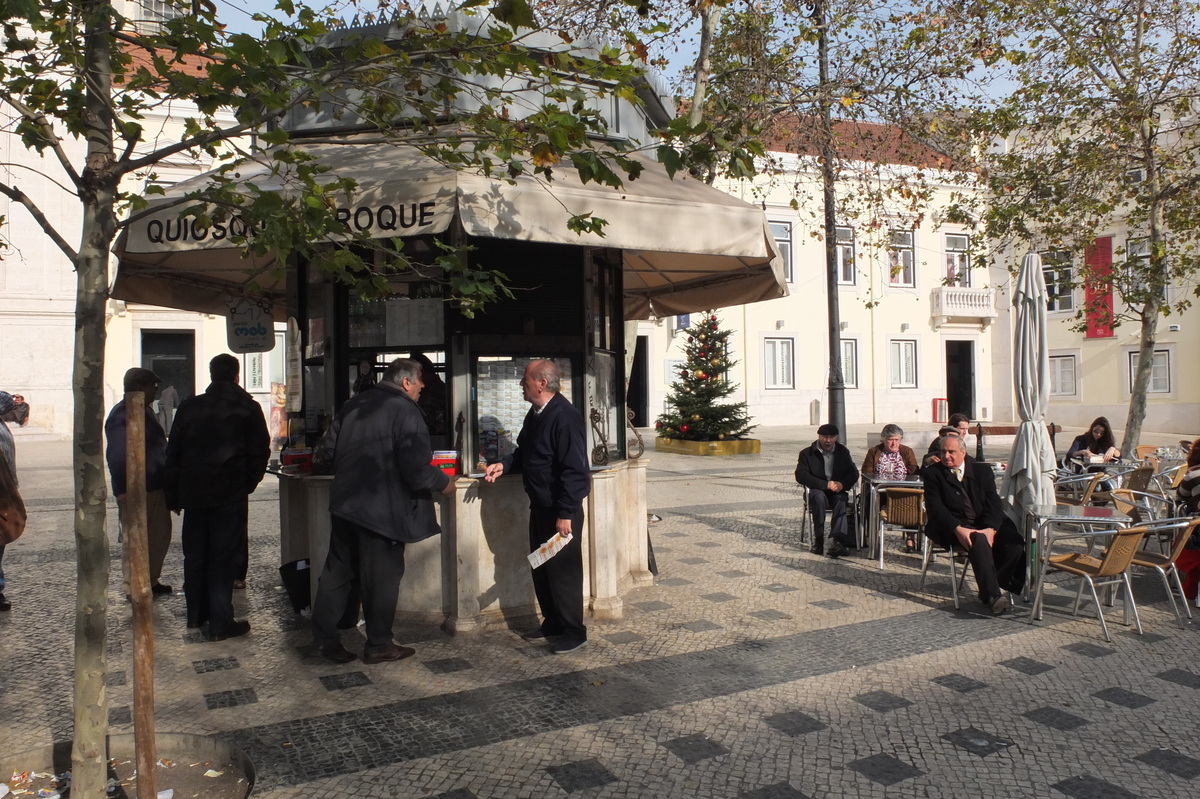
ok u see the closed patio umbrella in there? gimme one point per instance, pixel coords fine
(1029, 479)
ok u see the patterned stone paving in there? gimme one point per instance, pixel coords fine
(758, 670)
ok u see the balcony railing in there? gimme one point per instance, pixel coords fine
(962, 305)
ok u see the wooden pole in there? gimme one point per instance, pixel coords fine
(139, 594)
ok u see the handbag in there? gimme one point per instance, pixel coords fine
(12, 507)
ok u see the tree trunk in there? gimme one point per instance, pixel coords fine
(710, 14)
(97, 195)
(1141, 382)
(89, 758)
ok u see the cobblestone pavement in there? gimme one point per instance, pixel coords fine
(751, 668)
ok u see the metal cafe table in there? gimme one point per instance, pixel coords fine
(1047, 524)
(869, 519)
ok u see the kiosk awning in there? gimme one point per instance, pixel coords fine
(686, 246)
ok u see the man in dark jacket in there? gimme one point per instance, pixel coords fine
(828, 472)
(158, 515)
(382, 499)
(964, 510)
(216, 456)
(551, 457)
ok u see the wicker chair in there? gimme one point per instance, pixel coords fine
(1066, 490)
(1164, 564)
(905, 511)
(1110, 569)
(1142, 450)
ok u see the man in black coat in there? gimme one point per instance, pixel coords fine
(158, 515)
(964, 510)
(382, 499)
(551, 457)
(828, 472)
(216, 456)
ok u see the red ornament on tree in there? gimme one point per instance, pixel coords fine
(658, 425)
(713, 319)
(700, 375)
(683, 428)
(683, 372)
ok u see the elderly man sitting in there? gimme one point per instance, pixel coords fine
(828, 471)
(964, 509)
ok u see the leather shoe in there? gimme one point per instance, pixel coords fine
(393, 652)
(238, 629)
(838, 550)
(4, 603)
(337, 653)
(818, 547)
(999, 605)
(161, 588)
(565, 645)
(539, 635)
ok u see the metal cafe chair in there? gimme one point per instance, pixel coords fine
(905, 512)
(1164, 564)
(852, 510)
(1142, 506)
(1078, 489)
(1110, 569)
(958, 565)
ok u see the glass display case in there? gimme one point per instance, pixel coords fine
(500, 405)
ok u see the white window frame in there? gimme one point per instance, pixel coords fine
(847, 267)
(1054, 264)
(901, 258)
(898, 378)
(850, 362)
(1162, 380)
(1058, 361)
(958, 259)
(781, 231)
(779, 355)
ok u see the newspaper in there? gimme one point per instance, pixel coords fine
(549, 549)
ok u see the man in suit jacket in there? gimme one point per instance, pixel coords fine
(381, 499)
(828, 471)
(964, 509)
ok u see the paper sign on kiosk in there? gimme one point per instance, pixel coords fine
(549, 549)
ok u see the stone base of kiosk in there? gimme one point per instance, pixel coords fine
(474, 576)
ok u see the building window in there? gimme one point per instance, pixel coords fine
(845, 256)
(1062, 376)
(777, 363)
(1056, 268)
(1160, 372)
(904, 363)
(850, 363)
(900, 259)
(958, 260)
(782, 232)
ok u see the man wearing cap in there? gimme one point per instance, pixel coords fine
(828, 472)
(158, 516)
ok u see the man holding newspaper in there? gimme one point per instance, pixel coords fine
(551, 457)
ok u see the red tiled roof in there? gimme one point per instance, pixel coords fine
(855, 141)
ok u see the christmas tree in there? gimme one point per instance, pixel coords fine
(696, 413)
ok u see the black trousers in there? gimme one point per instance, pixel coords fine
(211, 542)
(558, 582)
(819, 501)
(358, 558)
(996, 567)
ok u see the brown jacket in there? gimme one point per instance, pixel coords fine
(872, 460)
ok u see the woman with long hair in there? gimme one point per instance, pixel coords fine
(1097, 442)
